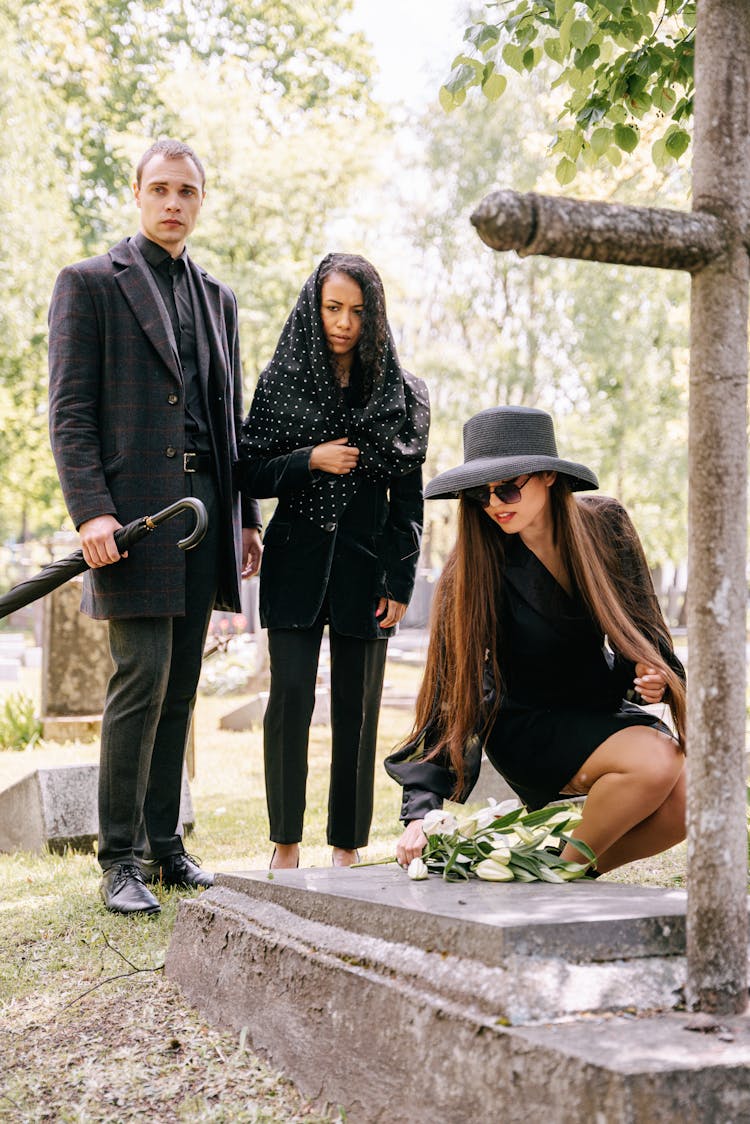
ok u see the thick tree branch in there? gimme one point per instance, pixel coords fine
(607, 232)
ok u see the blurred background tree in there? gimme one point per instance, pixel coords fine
(277, 97)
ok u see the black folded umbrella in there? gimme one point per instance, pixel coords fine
(57, 573)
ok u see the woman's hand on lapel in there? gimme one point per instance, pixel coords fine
(336, 457)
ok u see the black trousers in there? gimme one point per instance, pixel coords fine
(149, 705)
(357, 669)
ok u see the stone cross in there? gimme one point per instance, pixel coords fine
(712, 244)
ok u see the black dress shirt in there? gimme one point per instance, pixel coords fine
(173, 282)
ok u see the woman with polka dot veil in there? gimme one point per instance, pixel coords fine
(337, 432)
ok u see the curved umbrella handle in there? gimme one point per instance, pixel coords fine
(187, 503)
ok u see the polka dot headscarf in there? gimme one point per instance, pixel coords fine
(298, 403)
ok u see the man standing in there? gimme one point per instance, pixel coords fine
(145, 404)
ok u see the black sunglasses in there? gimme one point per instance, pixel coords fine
(507, 492)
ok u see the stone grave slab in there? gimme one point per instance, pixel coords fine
(76, 666)
(423, 1001)
(57, 809)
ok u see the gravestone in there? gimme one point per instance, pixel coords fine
(76, 666)
(418, 1002)
(57, 809)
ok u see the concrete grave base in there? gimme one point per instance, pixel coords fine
(57, 809)
(404, 1001)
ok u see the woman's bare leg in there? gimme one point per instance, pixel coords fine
(630, 808)
(285, 856)
(342, 857)
(663, 829)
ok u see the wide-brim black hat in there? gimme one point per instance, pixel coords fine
(504, 442)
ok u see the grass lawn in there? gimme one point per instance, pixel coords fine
(90, 1030)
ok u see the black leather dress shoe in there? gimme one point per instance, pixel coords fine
(180, 870)
(124, 891)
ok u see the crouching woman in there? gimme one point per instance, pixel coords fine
(546, 635)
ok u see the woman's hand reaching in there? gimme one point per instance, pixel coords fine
(412, 843)
(650, 683)
(336, 457)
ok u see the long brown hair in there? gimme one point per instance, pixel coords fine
(604, 557)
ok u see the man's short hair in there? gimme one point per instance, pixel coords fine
(170, 150)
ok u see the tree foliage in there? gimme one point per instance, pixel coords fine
(625, 66)
(106, 64)
(264, 89)
(603, 348)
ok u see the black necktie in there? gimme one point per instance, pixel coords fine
(182, 300)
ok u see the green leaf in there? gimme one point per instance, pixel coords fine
(640, 104)
(581, 846)
(659, 154)
(464, 61)
(487, 38)
(664, 99)
(562, 7)
(565, 172)
(565, 27)
(677, 143)
(447, 99)
(616, 113)
(463, 77)
(513, 56)
(592, 112)
(587, 57)
(494, 86)
(553, 48)
(626, 137)
(569, 143)
(614, 156)
(601, 139)
(580, 33)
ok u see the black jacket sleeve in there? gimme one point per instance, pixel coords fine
(264, 477)
(402, 536)
(427, 781)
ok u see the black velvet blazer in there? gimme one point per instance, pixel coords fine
(371, 551)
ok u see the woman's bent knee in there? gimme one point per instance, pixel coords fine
(640, 751)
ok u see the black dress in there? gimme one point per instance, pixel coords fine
(564, 692)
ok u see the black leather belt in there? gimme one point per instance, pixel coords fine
(197, 462)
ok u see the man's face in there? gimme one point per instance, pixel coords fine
(169, 198)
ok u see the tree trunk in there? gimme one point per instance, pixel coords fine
(717, 833)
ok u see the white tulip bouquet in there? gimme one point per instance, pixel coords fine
(498, 846)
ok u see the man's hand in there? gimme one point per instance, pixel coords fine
(336, 457)
(391, 611)
(252, 551)
(98, 541)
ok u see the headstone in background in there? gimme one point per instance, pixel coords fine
(12, 649)
(250, 714)
(57, 808)
(76, 666)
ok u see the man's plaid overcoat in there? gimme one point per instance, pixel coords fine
(117, 422)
